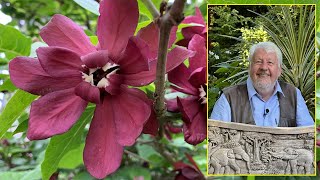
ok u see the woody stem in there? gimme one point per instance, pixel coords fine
(170, 18)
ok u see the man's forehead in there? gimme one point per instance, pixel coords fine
(262, 52)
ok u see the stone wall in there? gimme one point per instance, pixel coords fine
(235, 148)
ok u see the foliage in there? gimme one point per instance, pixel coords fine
(229, 39)
(30, 16)
(294, 35)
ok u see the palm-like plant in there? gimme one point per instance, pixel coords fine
(295, 36)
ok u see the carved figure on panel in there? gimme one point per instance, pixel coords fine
(227, 140)
(258, 142)
(298, 159)
(222, 159)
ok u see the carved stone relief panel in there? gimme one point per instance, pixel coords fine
(235, 148)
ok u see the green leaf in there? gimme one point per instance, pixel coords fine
(94, 40)
(73, 158)
(13, 43)
(83, 176)
(24, 175)
(318, 154)
(148, 152)
(12, 175)
(144, 10)
(60, 145)
(4, 76)
(35, 46)
(179, 141)
(33, 174)
(7, 86)
(131, 172)
(149, 90)
(3, 61)
(15, 107)
(142, 25)
(23, 123)
(89, 5)
(238, 2)
(22, 127)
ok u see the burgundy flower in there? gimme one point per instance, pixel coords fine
(192, 80)
(72, 72)
(150, 35)
(199, 28)
(188, 172)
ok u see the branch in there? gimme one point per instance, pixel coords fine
(136, 156)
(172, 17)
(151, 7)
(161, 148)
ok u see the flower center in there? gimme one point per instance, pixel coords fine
(99, 76)
(203, 94)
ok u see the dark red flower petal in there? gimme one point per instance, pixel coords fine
(116, 24)
(60, 62)
(175, 57)
(152, 125)
(178, 77)
(132, 60)
(194, 118)
(197, 44)
(187, 172)
(54, 113)
(131, 111)
(88, 92)
(150, 34)
(27, 74)
(192, 174)
(198, 77)
(172, 105)
(63, 32)
(115, 81)
(102, 154)
(197, 18)
(96, 59)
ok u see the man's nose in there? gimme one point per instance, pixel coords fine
(264, 65)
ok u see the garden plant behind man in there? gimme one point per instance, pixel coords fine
(263, 100)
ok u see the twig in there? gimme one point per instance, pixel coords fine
(160, 148)
(172, 17)
(151, 7)
(136, 156)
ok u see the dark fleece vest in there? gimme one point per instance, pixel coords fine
(241, 112)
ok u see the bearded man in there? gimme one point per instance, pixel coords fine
(263, 100)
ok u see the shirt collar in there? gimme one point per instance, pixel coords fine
(252, 91)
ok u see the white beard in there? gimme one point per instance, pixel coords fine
(265, 87)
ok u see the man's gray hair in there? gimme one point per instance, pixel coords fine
(268, 47)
